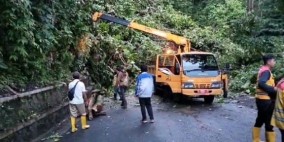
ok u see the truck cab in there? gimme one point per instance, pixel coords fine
(192, 74)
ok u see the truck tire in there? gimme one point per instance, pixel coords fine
(208, 99)
(158, 92)
(225, 91)
(167, 93)
(178, 98)
(225, 95)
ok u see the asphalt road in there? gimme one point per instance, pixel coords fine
(192, 121)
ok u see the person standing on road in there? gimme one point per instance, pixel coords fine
(77, 105)
(265, 100)
(144, 90)
(278, 114)
(115, 88)
(122, 84)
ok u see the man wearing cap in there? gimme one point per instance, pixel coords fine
(76, 105)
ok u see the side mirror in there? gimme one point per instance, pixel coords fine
(177, 69)
(227, 68)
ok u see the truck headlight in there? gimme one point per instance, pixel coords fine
(188, 85)
(216, 85)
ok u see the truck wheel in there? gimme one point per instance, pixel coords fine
(177, 98)
(158, 92)
(225, 95)
(168, 93)
(209, 99)
(225, 91)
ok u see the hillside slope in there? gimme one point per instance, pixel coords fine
(42, 42)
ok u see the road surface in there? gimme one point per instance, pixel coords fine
(192, 121)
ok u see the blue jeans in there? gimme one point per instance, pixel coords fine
(115, 89)
(121, 92)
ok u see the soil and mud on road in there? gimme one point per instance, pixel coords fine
(226, 120)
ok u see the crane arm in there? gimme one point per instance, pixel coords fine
(179, 40)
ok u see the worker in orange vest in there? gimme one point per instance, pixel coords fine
(265, 100)
(278, 114)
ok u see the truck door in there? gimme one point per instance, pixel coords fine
(168, 72)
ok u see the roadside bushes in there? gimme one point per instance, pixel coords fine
(43, 41)
(244, 79)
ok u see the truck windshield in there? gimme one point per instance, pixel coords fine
(200, 65)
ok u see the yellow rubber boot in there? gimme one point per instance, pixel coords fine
(270, 136)
(84, 122)
(73, 124)
(256, 134)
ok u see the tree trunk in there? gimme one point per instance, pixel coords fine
(250, 6)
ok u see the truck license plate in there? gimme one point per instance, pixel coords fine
(205, 92)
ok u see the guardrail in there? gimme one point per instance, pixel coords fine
(25, 116)
(25, 94)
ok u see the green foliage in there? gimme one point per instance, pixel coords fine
(38, 39)
(237, 37)
(43, 41)
(244, 79)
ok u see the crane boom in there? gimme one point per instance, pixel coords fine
(170, 69)
(182, 42)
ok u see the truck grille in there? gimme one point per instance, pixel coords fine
(202, 86)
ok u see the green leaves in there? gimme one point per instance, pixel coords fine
(2, 65)
(37, 39)
(40, 39)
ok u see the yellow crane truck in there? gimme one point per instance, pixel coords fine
(178, 71)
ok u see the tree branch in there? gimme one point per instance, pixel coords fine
(269, 32)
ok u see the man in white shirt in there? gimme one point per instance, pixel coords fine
(77, 105)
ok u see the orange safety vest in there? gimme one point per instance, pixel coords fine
(260, 94)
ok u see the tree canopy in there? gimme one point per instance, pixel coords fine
(43, 41)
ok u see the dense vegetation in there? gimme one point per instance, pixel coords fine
(43, 41)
